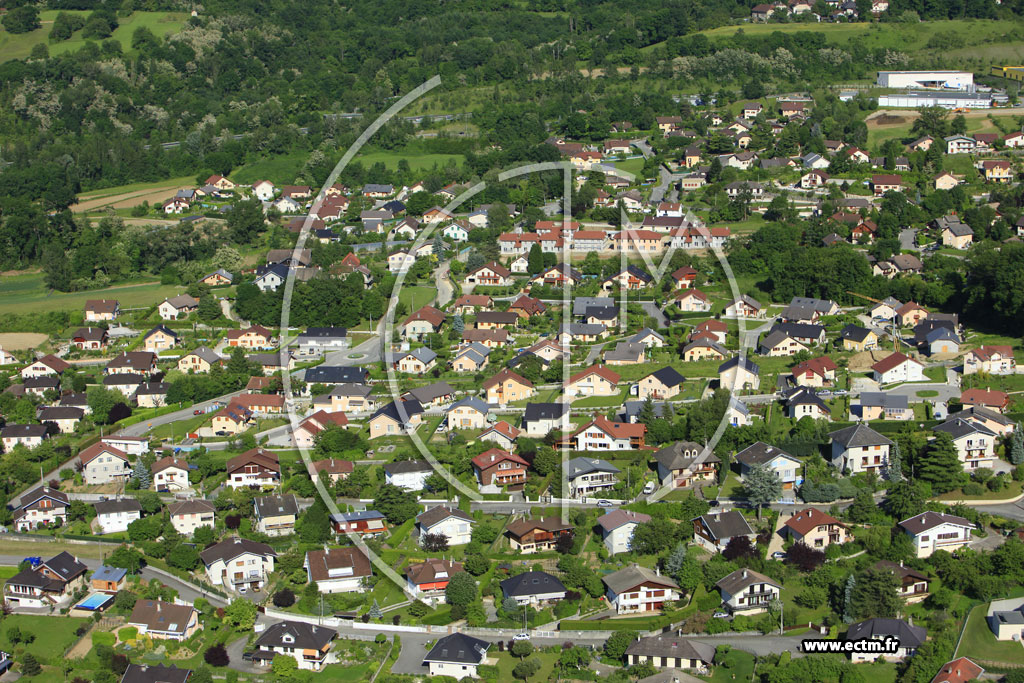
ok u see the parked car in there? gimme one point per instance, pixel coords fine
(778, 555)
(521, 636)
(720, 615)
(197, 412)
(649, 487)
(604, 504)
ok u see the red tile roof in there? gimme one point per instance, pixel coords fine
(889, 362)
(601, 370)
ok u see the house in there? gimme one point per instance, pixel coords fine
(648, 338)
(747, 591)
(428, 580)
(860, 449)
(602, 434)
(467, 413)
(941, 340)
(787, 467)
(954, 233)
(533, 588)
(89, 338)
(744, 307)
(816, 529)
(991, 399)
(898, 367)
(913, 584)
(501, 433)
(625, 353)
(320, 339)
(528, 536)
(232, 420)
(960, 670)
(304, 436)
(48, 584)
(993, 360)
(253, 337)
(456, 655)
(177, 307)
(201, 360)
(906, 263)
(997, 171)
(395, 418)
(336, 374)
(637, 589)
(660, 384)
(815, 372)
(882, 183)
(347, 398)
(161, 620)
(714, 531)
(108, 579)
(289, 638)
(368, 523)
(877, 405)
(585, 476)
(256, 468)
(450, 521)
(39, 386)
(491, 274)
(98, 310)
(335, 470)
(487, 320)
(975, 443)
(507, 387)
(703, 348)
(29, 436)
(64, 417)
(814, 179)
(685, 463)
(410, 475)
(885, 309)
(140, 362)
(856, 338)
(495, 467)
(597, 380)
(426, 320)
(907, 637)
(337, 570)
(527, 307)
(617, 527)
(416, 362)
(113, 516)
(433, 395)
(238, 564)
(910, 314)
(468, 304)
(945, 181)
(779, 344)
(960, 144)
(102, 464)
(739, 374)
(539, 419)
(631, 278)
(275, 515)
(742, 187)
(670, 651)
(188, 515)
(931, 531)
(47, 366)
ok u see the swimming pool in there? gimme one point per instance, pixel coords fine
(95, 601)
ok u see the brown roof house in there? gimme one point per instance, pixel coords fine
(337, 570)
(164, 620)
(816, 529)
(537, 535)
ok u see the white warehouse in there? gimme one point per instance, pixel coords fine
(946, 100)
(951, 80)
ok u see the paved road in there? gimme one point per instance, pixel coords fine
(141, 428)
(594, 354)
(363, 354)
(651, 309)
(444, 285)
(752, 335)
(945, 391)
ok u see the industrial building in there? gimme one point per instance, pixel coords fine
(946, 100)
(1014, 73)
(951, 80)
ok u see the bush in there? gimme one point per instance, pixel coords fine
(488, 672)
(973, 488)
(216, 655)
(709, 601)
(284, 598)
(128, 633)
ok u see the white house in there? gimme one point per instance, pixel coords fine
(102, 464)
(638, 589)
(931, 531)
(782, 463)
(410, 475)
(337, 570)
(748, 591)
(908, 637)
(238, 564)
(898, 367)
(456, 655)
(115, 515)
(860, 449)
(617, 529)
(450, 521)
(589, 476)
(714, 531)
(975, 443)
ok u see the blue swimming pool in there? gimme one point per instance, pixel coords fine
(95, 601)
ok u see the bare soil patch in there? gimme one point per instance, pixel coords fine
(15, 341)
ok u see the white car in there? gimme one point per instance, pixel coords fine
(720, 615)
(604, 504)
(649, 487)
(778, 555)
(521, 636)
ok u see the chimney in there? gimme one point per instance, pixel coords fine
(744, 573)
(157, 605)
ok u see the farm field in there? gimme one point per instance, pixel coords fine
(14, 341)
(896, 123)
(127, 196)
(28, 294)
(20, 46)
(417, 161)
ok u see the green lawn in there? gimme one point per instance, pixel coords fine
(634, 166)
(53, 635)
(415, 297)
(280, 170)
(602, 401)
(417, 161)
(737, 666)
(978, 641)
(7, 572)
(506, 662)
(19, 46)
(28, 294)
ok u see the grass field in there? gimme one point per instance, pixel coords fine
(53, 635)
(978, 641)
(28, 294)
(49, 549)
(19, 46)
(280, 170)
(417, 162)
(634, 166)
(415, 297)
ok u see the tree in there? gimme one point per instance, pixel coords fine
(863, 507)
(573, 658)
(526, 668)
(674, 562)
(565, 543)
(209, 308)
(284, 598)
(30, 665)
(904, 500)
(316, 525)
(762, 485)
(245, 221)
(375, 612)
(522, 649)
(183, 556)
(875, 594)
(101, 402)
(241, 614)
(397, 504)
(21, 20)
(895, 472)
(615, 646)
(940, 465)
(434, 542)
(476, 564)
(140, 474)
(1017, 445)
(652, 537)
(804, 556)
(461, 589)
(125, 557)
(216, 655)
(535, 260)
(848, 591)
(739, 547)
(284, 668)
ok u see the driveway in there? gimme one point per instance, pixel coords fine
(235, 650)
(651, 309)
(908, 239)
(593, 354)
(444, 285)
(414, 649)
(910, 390)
